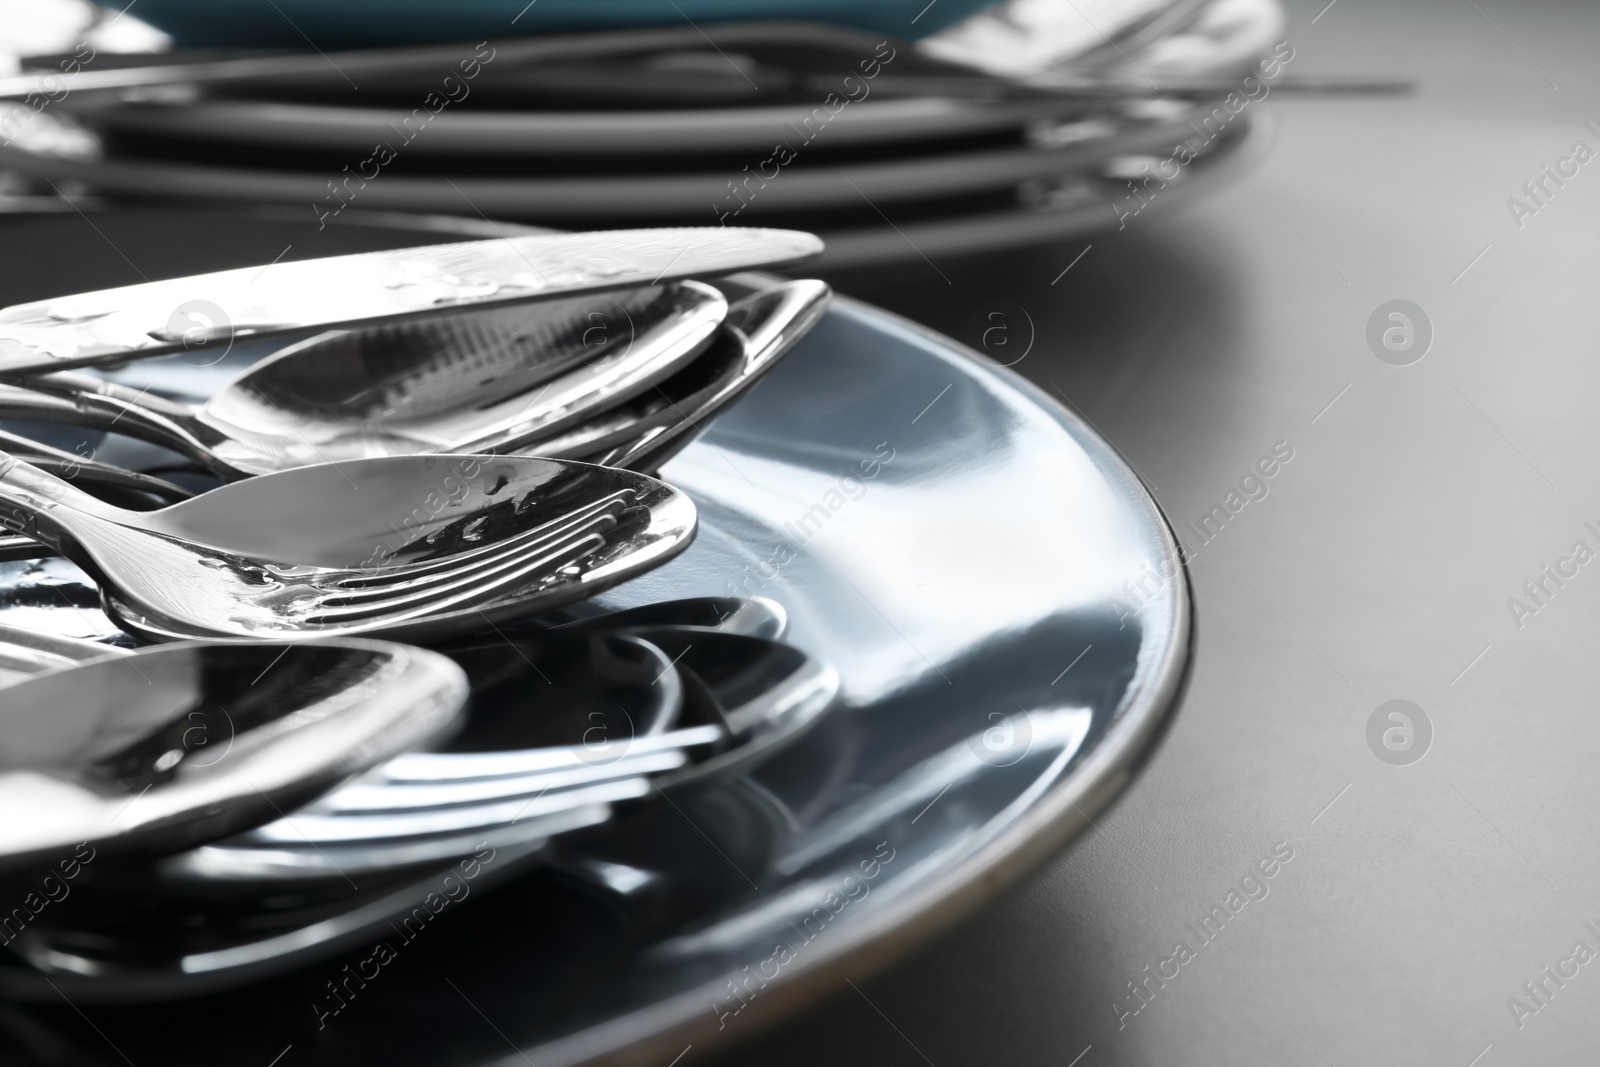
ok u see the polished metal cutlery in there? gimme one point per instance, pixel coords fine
(342, 866)
(165, 748)
(762, 693)
(108, 477)
(24, 652)
(755, 616)
(303, 863)
(484, 381)
(415, 545)
(640, 431)
(312, 827)
(643, 433)
(585, 696)
(750, 695)
(423, 386)
(765, 325)
(306, 296)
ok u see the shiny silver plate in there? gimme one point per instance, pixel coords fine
(1005, 608)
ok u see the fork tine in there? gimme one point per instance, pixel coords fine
(387, 575)
(473, 586)
(340, 592)
(443, 580)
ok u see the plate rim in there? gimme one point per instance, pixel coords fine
(305, 126)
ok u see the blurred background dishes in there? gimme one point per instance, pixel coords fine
(370, 23)
(1022, 123)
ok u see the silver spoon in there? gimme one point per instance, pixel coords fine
(646, 431)
(165, 748)
(78, 468)
(154, 318)
(419, 545)
(762, 693)
(487, 381)
(767, 324)
(275, 415)
(642, 433)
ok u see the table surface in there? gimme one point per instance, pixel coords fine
(1383, 563)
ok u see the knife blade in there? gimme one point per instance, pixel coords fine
(156, 318)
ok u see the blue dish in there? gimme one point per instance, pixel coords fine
(341, 24)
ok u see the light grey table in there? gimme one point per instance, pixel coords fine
(1380, 565)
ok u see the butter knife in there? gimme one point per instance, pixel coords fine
(156, 318)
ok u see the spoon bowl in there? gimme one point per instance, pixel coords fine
(165, 748)
(416, 545)
(482, 381)
(461, 383)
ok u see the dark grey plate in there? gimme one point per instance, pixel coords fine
(546, 133)
(1006, 612)
(925, 204)
(630, 192)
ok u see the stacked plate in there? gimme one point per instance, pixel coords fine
(1022, 123)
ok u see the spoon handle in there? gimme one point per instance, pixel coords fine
(41, 506)
(115, 412)
(767, 323)
(76, 467)
(69, 465)
(73, 383)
